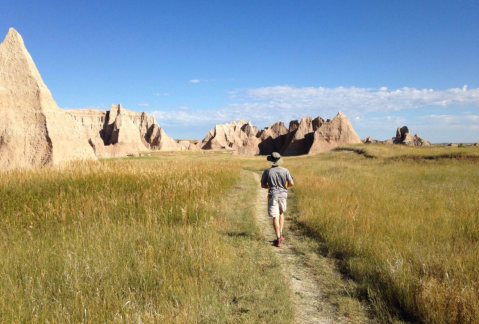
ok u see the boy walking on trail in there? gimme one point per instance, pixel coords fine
(277, 180)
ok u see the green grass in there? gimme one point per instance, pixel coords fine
(133, 240)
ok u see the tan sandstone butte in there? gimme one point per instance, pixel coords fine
(34, 131)
(403, 136)
(310, 135)
(300, 137)
(122, 132)
(239, 137)
(333, 133)
(273, 138)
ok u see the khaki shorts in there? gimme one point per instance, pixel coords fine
(276, 206)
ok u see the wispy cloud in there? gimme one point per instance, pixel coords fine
(386, 123)
(143, 104)
(360, 100)
(365, 107)
(201, 80)
(470, 122)
(269, 104)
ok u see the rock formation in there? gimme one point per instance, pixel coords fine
(122, 132)
(185, 145)
(403, 136)
(273, 138)
(301, 136)
(156, 139)
(34, 131)
(310, 135)
(240, 137)
(370, 140)
(332, 133)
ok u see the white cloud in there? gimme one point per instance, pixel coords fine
(470, 122)
(448, 128)
(385, 123)
(362, 99)
(201, 80)
(143, 104)
(269, 104)
(186, 117)
(266, 105)
(260, 113)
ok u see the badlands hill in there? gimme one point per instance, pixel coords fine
(35, 132)
(122, 132)
(309, 135)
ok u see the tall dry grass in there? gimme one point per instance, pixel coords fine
(407, 230)
(398, 152)
(127, 241)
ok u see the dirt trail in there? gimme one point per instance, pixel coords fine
(310, 306)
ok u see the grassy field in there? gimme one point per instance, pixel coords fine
(403, 152)
(405, 228)
(155, 239)
(134, 241)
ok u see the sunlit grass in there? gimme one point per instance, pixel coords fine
(407, 230)
(404, 151)
(135, 240)
(170, 238)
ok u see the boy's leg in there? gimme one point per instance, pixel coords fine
(281, 223)
(282, 208)
(276, 226)
(274, 212)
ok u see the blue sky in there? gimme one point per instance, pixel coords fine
(193, 64)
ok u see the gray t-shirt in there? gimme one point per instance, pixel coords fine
(276, 178)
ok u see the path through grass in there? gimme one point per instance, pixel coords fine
(406, 230)
(135, 240)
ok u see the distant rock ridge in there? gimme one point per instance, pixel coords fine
(403, 136)
(240, 137)
(370, 140)
(122, 132)
(307, 136)
(34, 131)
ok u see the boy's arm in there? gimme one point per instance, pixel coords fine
(264, 180)
(290, 182)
